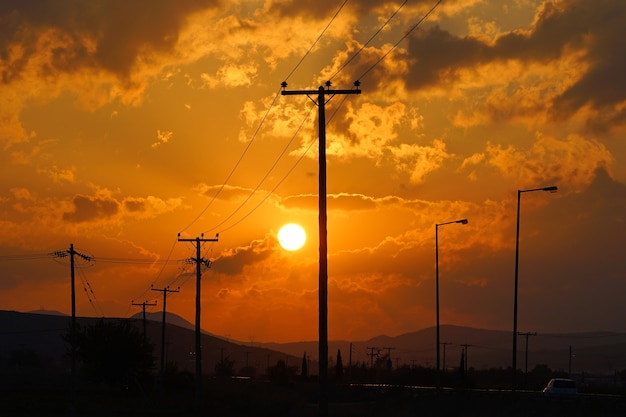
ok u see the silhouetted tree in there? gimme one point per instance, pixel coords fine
(305, 367)
(113, 352)
(339, 366)
(225, 368)
(281, 373)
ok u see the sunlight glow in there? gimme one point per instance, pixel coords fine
(291, 236)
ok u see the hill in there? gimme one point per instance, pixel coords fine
(43, 335)
(594, 352)
(591, 352)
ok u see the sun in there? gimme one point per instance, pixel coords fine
(291, 236)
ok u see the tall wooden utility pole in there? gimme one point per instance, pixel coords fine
(164, 291)
(323, 273)
(527, 334)
(199, 261)
(62, 254)
(143, 308)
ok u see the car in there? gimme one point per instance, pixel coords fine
(561, 387)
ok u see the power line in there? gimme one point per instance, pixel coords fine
(336, 110)
(317, 40)
(419, 22)
(24, 257)
(261, 123)
(357, 53)
(265, 177)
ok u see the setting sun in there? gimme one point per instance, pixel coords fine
(291, 236)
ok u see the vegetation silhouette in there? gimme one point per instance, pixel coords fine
(113, 352)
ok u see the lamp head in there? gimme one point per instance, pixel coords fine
(464, 221)
(552, 189)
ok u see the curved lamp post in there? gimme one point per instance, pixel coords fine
(462, 221)
(552, 189)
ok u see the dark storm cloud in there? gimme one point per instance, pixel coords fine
(560, 28)
(120, 30)
(233, 261)
(91, 208)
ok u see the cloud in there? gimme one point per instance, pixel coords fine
(85, 208)
(231, 75)
(223, 192)
(572, 161)
(419, 161)
(112, 35)
(163, 136)
(574, 31)
(233, 261)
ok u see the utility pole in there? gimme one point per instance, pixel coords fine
(143, 308)
(350, 365)
(465, 353)
(62, 254)
(526, 366)
(164, 291)
(323, 235)
(199, 261)
(371, 355)
(444, 344)
(389, 361)
(569, 365)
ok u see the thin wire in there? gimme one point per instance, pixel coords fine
(332, 116)
(317, 40)
(357, 53)
(25, 257)
(232, 171)
(273, 189)
(419, 22)
(267, 173)
(362, 76)
(169, 255)
(89, 293)
(219, 191)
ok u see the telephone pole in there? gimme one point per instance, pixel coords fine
(199, 261)
(465, 346)
(444, 344)
(164, 291)
(371, 355)
(526, 366)
(323, 235)
(143, 307)
(72, 254)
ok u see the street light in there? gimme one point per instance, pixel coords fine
(552, 189)
(463, 221)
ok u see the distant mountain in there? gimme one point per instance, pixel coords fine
(596, 352)
(172, 318)
(169, 318)
(49, 312)
(591, 352)
(43, 334)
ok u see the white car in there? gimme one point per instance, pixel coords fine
(560, 387)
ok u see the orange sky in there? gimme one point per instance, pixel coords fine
(126, 123)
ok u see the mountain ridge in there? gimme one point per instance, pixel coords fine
(591, 351)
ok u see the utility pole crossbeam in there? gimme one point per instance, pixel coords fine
(322, 93)
(72, 254)
(164, 291)
(199, 261)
